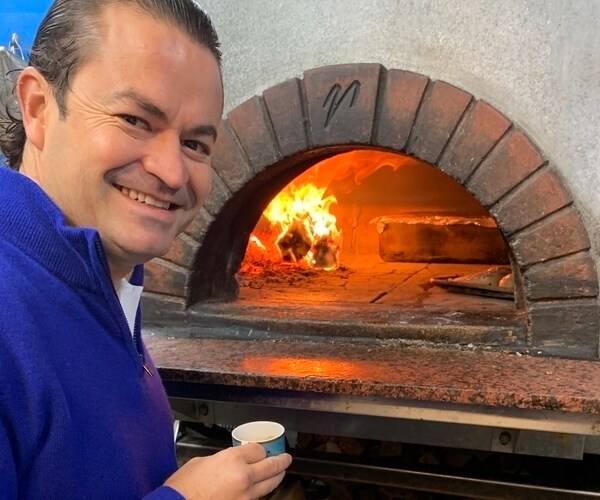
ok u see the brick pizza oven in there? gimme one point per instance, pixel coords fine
(462, 111)
(268, 140)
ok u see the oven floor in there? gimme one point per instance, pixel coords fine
(367, 280)
(364, 299)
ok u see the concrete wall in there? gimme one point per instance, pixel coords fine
(536, 61)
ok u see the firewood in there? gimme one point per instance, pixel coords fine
(295, 243)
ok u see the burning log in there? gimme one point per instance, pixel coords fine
(325, 253)
(295, 243)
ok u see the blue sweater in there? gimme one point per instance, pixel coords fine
(79, 416)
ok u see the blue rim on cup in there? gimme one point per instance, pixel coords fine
(270, 435)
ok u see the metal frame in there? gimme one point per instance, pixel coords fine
(412, 480)
(543, 433)
(511, 430)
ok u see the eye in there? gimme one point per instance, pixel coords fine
(135, 121)
(197, 147)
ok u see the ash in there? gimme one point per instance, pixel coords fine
(258, 273)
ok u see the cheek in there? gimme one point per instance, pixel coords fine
(112, 148)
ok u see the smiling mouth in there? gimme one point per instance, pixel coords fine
(146, 198)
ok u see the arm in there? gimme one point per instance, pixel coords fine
(8, 473)
(8, 412)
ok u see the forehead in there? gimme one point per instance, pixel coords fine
(136, 50)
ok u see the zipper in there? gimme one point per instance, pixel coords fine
(137, 325)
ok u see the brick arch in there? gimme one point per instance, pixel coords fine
(264, 142)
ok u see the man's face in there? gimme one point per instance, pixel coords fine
(132, 156)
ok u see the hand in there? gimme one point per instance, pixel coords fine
(239, 473)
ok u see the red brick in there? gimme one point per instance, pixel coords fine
(442, 108)
(228, 159)
(219, 195)
(182, 251)
(558, 235)
(253, 129)
(341, 103)
(165, 277)
(566, 278)
(565, 328)
(199, 226)
(511, 161)
(401, 95)
(481, 129)
(284, 104)
(534, 199)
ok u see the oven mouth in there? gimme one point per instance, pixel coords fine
(403, 270)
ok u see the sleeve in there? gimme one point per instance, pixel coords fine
(9, 484)
(162, 493)
(8, 471)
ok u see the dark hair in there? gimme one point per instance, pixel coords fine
(67, 36)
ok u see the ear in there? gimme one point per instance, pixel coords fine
(35, 98)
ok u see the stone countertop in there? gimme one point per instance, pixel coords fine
(386, 370)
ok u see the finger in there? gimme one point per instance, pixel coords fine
(252, 452)
(270, 467)
(269, 473)
(265, 487)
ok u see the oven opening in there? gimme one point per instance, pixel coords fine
(370, 244)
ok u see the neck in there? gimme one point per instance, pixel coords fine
(29, 164)
(117, 274)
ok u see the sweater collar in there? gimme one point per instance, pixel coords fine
(31, 221)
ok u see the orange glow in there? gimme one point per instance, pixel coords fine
(305, 367)
(304, 227)
(349, 170)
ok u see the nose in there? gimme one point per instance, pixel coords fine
(165, 160)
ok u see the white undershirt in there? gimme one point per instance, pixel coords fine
(129, 296)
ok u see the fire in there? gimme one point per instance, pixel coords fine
(304, 228)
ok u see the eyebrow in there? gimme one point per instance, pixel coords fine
(154, 110)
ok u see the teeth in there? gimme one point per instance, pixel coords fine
(145, 198)
(150, 200)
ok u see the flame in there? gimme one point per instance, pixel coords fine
(348, 170)
(305, 228)
(254, 240)
(298, 227)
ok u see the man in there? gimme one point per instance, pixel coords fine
(119, 110)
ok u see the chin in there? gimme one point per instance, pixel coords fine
(148, 251)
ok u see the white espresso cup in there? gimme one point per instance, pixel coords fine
(270, 435)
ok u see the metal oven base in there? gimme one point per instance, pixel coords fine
(526, 432)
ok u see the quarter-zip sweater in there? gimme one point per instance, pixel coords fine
(80, 417)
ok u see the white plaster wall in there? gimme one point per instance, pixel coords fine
(537, 61)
